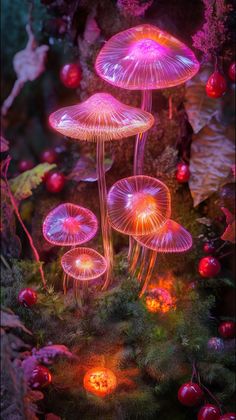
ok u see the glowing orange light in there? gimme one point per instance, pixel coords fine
(159, 300)
(100, 381)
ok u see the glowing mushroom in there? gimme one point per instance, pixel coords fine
(83, 264)
(138, 205)
(99, 119)
(69, 225)
(145, 58)
(171, 237)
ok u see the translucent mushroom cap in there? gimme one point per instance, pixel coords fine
(138, 205)
(171, 237)
(145, 57)
(100, 117)
(83, 264)
(69, 225)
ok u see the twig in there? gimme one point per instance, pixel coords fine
(15, 207)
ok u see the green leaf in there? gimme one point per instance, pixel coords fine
(23, 184)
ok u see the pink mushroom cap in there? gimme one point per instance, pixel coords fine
(138, 205)
(100, 117)
(171, 237)
(145, 57)
(69, 225)
(83, 264)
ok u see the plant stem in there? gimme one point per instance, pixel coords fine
(15, 207)
(106, 228)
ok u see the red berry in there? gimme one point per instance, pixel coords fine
(70, 75)
(190, 394)
(227, 329)
(55, 182)
(232, 71)
(209, 412)
(216, 85)
(228, 416)
(209, 248)
(40, 377)
(209, 266)
(25, 165)
(27, 297)
(48, 156)
(182, 173)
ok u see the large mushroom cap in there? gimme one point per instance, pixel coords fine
(145, 57)
(100, 117)
(83, 264)
(68, 225)
(171, 237)
(138, 205)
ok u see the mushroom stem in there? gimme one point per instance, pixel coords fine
(106, 228)
(141, 138)
(151, 266)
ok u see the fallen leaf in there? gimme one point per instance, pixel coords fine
(23, 184)
(199, 107)
(212, 155)
(4, 145)
(230, 232)
(49, 352)
(10, 320)
(85, 169)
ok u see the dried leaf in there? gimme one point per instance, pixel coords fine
(204, 221)
(23, 184)
(85, 169)
(49, 352)
(199, 107)
(230, 232)
(212, 155)
(4, 145)
(10, 320)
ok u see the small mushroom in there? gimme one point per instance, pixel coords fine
(69, 225)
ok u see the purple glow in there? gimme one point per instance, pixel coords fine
(68, 225)
(83, 264)
(100, 117)
(145, 57)
(138, 205)
(171, 237)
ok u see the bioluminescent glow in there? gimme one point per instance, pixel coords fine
(145, 57)
(69, 224)
(83, 264)
(171, 237)
(100, 117)
(138, 205)
(158, 300)
(100, 381)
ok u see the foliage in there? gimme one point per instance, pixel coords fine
(23, 184)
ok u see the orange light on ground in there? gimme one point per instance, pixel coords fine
(100, 381)
(159, 300)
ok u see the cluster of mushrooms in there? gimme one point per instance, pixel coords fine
(140, 58)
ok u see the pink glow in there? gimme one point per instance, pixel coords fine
(145, 57)
(171, 237)
(68, 225)
(138, 205)
(83, 264)
(101, 117)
